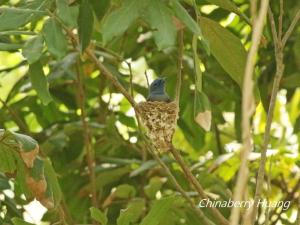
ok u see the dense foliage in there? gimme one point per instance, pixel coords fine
(63, 120)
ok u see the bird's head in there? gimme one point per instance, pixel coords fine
(158, 85)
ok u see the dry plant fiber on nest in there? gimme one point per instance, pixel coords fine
(160, 118)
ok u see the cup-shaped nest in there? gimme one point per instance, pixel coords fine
(160, 119)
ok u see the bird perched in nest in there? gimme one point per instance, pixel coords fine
(157, 91)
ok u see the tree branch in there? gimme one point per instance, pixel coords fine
(87, 136)
(247, 110)
(279, 73)
(179, 65)
(291, 28)
(193, 180)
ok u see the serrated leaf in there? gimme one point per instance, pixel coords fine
(131, 214)
(33, 49)
(226, 48)
(183, 15)
(202, 111)
(159, 17)
(85, 24)
(158, 211)
(68, 14)
(55, 38)
(18, 221)
(119, 20)
(98, 215)
(39, 82)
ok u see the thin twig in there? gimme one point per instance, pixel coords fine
(180, 189)
(298, 211)
(20, 123)
(87, 136)
(253, 7)
(193, 180)
(273, 26)
(279, 73)
(179, 65)
(247, 110)
(291, 28)
(151, 150)
(267, 213)
(131, 78)
(97, 62)
(147, 79)
(280, 19)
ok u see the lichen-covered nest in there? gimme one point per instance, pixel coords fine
(160, 118)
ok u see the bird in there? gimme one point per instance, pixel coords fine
(157, 91)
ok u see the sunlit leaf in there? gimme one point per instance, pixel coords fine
(202, 111)
(226, 48)
(230, 6)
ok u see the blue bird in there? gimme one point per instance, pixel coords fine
(157, 91)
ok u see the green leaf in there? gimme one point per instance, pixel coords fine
(85, 24)
(202, 110)
(230, 6)
(226, 48)
(119, 20)
(125, 191)
(131, 214)
(153, 187)
(26, 143)
(158, 211)
(291, 81)
(68, 14)
(33, 49)
(159, 17)
(39, 82)
(9, 47)
(4, 184)
(55, 38)
(18, 221)
(10, 20)
(52, 182)
(99, 216)
(183, 15)
(197, 63)
(7, 159)
(100, 7)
